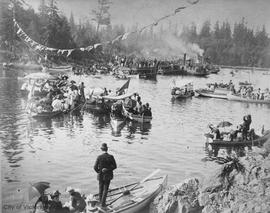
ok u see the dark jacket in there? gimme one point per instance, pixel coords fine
(77, 202)
(107, 162)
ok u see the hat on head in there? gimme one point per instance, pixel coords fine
(55, 194)
(70, 189)
(104, 147)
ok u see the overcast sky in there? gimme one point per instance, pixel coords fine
(129, 12)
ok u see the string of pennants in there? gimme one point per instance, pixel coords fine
(39, 47)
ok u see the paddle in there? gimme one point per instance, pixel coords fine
(142, 181)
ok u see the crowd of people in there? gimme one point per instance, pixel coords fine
(241, 133)
(250, 93)
(54, 95)
(51, 202)
(134, 105)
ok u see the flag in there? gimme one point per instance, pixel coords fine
(179, 9)
(193, 2)
(125, 86)
(125, 36)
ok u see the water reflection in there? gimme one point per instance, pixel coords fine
(214, 153)
(141, 128)
(117, 124)
(10, 131)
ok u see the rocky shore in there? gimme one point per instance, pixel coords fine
(240, 185)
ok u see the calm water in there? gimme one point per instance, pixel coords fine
(63, 150)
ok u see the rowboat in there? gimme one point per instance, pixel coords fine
(103, 104)
(139, 196)
(134, 117)
(232, 97)
(182, 90)
(210, 94)
(259, 141)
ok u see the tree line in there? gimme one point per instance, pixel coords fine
(237, 46)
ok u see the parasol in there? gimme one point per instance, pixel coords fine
(38, 189)
(40, 75)
(224, 124)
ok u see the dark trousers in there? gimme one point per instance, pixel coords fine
(103, 191)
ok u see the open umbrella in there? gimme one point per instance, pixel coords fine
(224, 124)
(40, 75)
(38, 189)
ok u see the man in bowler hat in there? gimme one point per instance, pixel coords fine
(104, 166)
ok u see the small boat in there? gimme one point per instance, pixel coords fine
(134, 117)
(232, 97)
(182, 90)
(259, 141)
(103, 104)
(210, 94)
(215, 70)
(131, 198)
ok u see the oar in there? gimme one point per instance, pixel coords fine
(142, 181)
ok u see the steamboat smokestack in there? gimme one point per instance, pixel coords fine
(185, 56)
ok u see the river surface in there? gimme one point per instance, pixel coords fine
(63, 150)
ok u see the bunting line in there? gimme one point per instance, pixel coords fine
(39, 47)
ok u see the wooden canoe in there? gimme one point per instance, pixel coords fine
(232, 97)
(140, 196)
(256, 142)
(138, 118)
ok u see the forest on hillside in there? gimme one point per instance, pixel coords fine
(236, 45)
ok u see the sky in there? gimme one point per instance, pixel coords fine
(143, 12)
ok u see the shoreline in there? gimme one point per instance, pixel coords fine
(241, 184)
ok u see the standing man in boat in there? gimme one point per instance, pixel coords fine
(104, 166)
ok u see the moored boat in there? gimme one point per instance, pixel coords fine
(139, 195)
(136, 117)
(232, 97)
(259, 141)
(182, 90)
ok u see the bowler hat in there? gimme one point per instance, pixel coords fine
(104, 147)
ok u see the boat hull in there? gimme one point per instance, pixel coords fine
(257, 142)
(140, 196)
(231, 97)
(138, 118)
(210, 94)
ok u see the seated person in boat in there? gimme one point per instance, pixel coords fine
(55, 205)
(147, 110)
(215, 131)
(77, 202)
(128, 103)
(57, 104)
(234, 133)
(138, 108)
